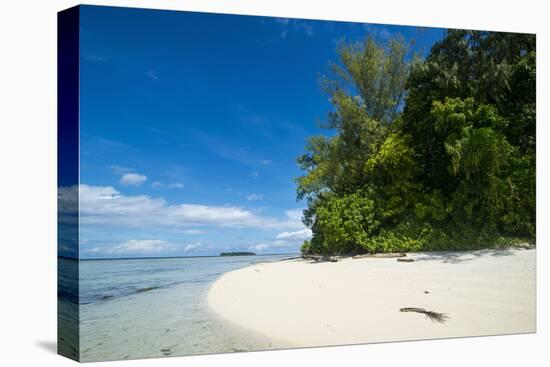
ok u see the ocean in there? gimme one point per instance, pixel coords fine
(140, 308)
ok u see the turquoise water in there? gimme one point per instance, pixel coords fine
(139, 308)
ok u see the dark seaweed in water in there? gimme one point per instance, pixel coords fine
(151, 288)
(108, 280)
(114, 292)
(146, 289)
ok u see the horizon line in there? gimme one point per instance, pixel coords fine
(165, 257)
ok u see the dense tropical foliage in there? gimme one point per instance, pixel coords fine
(426, 154)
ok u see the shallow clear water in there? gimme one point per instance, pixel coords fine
(143, 308)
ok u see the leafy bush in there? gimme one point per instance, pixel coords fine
(343, 224)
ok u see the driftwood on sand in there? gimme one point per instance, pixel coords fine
(382, 255)
(320, 258)
(409, 260)
(432, 315)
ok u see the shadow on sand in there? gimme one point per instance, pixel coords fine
(457, 257)
(447, 257)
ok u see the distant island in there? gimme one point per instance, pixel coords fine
(237, 253)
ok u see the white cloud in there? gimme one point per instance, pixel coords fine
(295, 214)
(255, 175)
(258, 247)
(275, 246)
(119, 170)
(160, 185)
(67, 206)
(148, 247)
(193, 231)
(132, 179)
(135, 247)
(105, 206)
(252, 197)
(288, 240)
(303, 234)
(297, 25)
(193, 247)
(152, 74)
(266, 162)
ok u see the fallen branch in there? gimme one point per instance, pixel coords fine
(408, 260)
(320, 258)
(432, 315)
(381, 255)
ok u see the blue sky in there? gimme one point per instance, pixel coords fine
(191, 124)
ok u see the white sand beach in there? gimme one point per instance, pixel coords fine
(303, 303)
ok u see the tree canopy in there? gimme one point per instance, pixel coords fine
(426, 154)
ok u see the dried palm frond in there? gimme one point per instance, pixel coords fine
(432, 315)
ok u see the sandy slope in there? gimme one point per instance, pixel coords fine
(358, 300)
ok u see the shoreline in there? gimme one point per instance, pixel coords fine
(170, 318)
(243, 339)
(353, 301)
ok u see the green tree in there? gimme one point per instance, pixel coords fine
(470, 113)
(493, 68)
(367, 89)
(426, 154)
